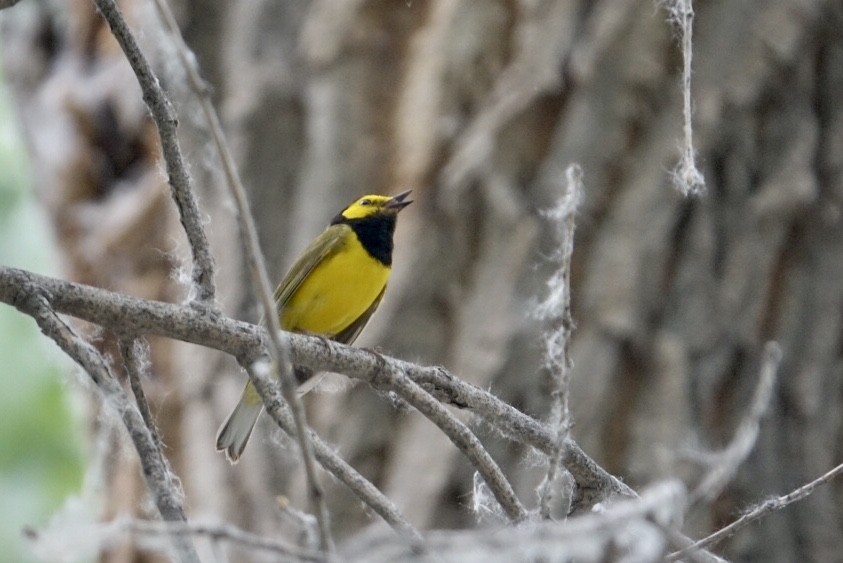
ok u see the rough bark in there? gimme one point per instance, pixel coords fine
(479, 107)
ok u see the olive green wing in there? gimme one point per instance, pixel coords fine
(352, 331)
(328, 243)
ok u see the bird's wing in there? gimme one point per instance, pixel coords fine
(323, 246)
(350, 333)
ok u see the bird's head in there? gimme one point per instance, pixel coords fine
(372, 205)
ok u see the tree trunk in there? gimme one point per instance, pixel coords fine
(479, 107)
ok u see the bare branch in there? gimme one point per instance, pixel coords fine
(555, 311)
(102, 534)
(160, 480)
(224, 532)
(765, 508)
(728, 461)
(243, 340)
(257, 269)
(167, 122)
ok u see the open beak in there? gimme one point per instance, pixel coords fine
(399, 202)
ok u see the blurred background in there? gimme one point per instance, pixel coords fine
(478, 107)
(42, 429)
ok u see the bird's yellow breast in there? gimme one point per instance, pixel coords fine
(337, 292)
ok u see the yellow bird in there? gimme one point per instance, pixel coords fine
(331, 290)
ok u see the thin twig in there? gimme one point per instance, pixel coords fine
(160, 480)
(244, 341)
(555, 311)
(459, 434)
(180, 182)
(222, 532)
(678, 540)
(727, 461)
(765, 508)
(104, 534)
(135, 353)
(257, 269)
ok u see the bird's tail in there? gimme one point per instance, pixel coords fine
(234, 433)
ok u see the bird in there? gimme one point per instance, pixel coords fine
(331, 290)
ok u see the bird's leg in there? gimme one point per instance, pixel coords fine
(381, 368)
(324, 339)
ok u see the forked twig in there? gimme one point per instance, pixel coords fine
(760, 511)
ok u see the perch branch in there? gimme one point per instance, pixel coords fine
(244, 341)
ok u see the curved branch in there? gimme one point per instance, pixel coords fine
(167, 123)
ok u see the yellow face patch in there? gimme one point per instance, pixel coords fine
(366, 206)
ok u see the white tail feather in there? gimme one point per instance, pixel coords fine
(235, 431)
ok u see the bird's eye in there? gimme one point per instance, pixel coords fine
(365, 202)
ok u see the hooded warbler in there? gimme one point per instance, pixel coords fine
(331, 290)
